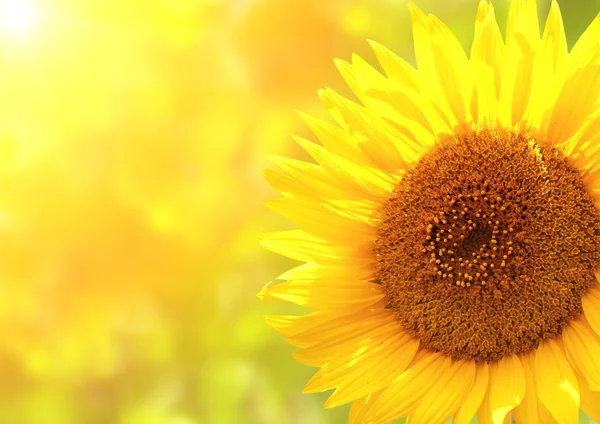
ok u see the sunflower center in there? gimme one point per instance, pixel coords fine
(487, 245)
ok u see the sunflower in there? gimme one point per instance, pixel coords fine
(451, 229)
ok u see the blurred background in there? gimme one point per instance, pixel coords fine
(132, 139)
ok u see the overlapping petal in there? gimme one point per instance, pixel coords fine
(486, 58)
(506, 389)
(475, 396)
(556, 383)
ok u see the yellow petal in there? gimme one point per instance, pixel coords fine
(264, 294)
(314, 271)
(522, 38)
(452, 70)
(327, 294)
(347, 72)
(550, 57)
(290, 325)
(426, 65)
(474, 398)
(301, 246)
(486, 57)
(298, 245)
(404, 394)
(351, 361)
(326, 351)
(554, 40)
(422, 41)
(371, 180)
(386, 359)
(372, 134)
(311, 216)
(581, 88)
(582, 149)
(284, 184)
(335, 139)
(530, 410)
(361, 407)
(310, 180)
(527, 411)
(484, 415)
(402, 105)
(342, 327)
(407, 98)
(591, 307)
(575, 91)
(556, 384)
(582, 346)
(484, 8)
(506, 389)
(447, 394)
(515, 10)
(590, 400)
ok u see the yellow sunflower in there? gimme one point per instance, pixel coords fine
(451, 229)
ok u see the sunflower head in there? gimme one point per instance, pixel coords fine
(451, 229)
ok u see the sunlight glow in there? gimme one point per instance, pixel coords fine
(567, 386)
(16, 17)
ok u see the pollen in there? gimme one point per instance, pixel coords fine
(525, 240)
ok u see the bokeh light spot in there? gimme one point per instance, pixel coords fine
(17, 17)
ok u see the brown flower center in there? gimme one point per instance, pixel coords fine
(487, 245)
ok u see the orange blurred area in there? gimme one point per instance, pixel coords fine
(132, 139)
(132, 135)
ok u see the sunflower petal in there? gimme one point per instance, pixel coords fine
(407, 99)
(506, 390)
(426, 65)
(372, 181)
(387, 360)
(314, 271)
(327, 295)
(400, 105)
(339, 328)
(582, 346)
(527, 410)
(402, 397)
(373, 136)
(345, 369)
(348, 73)
(486, 56)
(550, 57)
(483, 10)
(554, 40)
(326, 352)
(447, 394)
(291, 326)
(310, 180)
(475, 396)
(301, 246)
(312, 217)
(578, 83)
(591, 307)
(522, 37)
(556, 384)
(452, 70)
(530, 410)
(335, 139)
(590, 400)
(361, 407)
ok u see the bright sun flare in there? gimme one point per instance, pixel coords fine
(16, 17)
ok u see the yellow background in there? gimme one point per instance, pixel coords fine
(132, 139)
